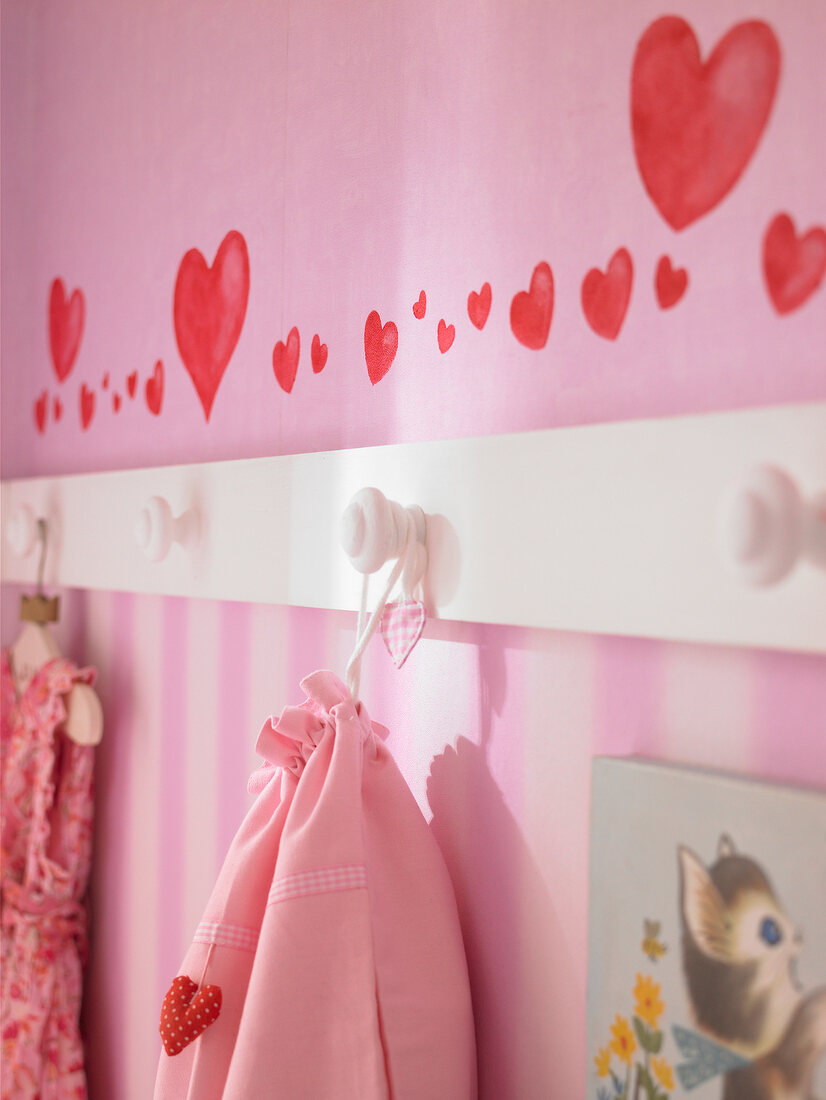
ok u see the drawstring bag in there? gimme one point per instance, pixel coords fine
(329, 964)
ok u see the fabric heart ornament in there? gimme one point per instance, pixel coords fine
(186, 1012)
(401, 627)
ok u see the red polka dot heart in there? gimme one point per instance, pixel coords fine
(186, 1012)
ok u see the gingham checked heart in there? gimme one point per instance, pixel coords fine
(186, 1012)
(401, 627)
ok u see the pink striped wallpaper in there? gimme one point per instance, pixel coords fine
(494, 729)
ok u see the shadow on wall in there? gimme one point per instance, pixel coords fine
(501, 898)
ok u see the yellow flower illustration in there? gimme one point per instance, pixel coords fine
(603, 1061)
(663, 1072)
(623, 1044)
(648, 1005)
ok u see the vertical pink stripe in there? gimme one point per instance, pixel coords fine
(106, 1009)
(235, 724)
(789, 743)
(628, 686)
(172, 808)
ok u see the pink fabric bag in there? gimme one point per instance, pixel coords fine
(332, 931)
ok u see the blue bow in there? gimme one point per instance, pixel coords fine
(705, 1058)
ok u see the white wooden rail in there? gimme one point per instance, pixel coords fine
(607, 528)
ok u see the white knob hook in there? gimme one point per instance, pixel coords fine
(156, 528)
(21, 530)
(374, 530)
(765, 526)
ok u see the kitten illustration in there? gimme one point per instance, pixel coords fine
(739, 950)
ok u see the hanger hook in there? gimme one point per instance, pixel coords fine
(42, 534)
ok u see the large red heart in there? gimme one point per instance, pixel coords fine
(696, 125)
(605, 296)
(154, 389)
(531, 310)
(65, 327)
(187, 1012)
(87, 406)
(209, 309)
(794, 266)
(285, 360)
(669, 282)
(40, 408)
(478, 306)
(380, 346)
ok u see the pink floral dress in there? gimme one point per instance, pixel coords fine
(46, 848)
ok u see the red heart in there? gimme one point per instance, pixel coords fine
(478, 306)
(132, 383)
(670, 283)
(105, 382)
(380, 346)
(116, 402)
(57, 409)
(87, 406)
(209, 309)
(40, 406)
(318, 354)
(420, 306)
(446, 335)
(285, 360)
(154, 389)
(793, 266)
(531, 310)
(65, 327)
(605, 296)
(187, 1012)
(697, 125)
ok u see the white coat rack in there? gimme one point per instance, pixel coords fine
(704, 528)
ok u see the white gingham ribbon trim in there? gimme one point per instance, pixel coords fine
(325, 880)
(227, 935)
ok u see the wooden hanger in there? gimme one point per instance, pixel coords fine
(35, 647)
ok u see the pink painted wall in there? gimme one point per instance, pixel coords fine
(365, 152)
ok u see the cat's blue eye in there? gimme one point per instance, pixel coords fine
(770, 931)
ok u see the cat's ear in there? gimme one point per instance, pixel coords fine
(704, 910)
(725, 846)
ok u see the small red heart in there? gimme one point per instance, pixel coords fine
(531, 310)
(116, 402)
(478, 306)
(285, 360)
(57, 409)
(605, 295)
(187, 1012)
(380, 346)
(132, 383)
(154, 389)
(793, 266)
(87, 406)
(65, 327)
(105, 383)
(420, 306)
(446, 335)
(670, 283)
(40, 407)
(318, 354)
